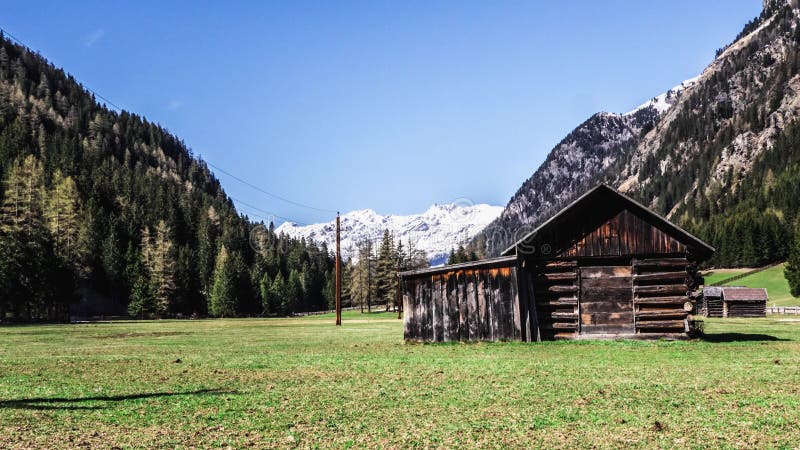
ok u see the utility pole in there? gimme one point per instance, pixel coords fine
(369, 277)
(338, 271)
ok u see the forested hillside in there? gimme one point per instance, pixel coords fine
(724, 162)
(106, 212)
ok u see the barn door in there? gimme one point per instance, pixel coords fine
(606, 300)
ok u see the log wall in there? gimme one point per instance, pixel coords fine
(743, 308)
(714, 307)
(555, 286)
(611, 296)
(660, 295)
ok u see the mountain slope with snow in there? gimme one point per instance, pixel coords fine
(436, 231)
(597, 146)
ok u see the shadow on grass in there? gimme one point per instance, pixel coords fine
(740, 337)
(73, 404)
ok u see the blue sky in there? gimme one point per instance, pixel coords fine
(392, 106)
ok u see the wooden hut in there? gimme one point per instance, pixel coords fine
(734, 301)
(604, 266)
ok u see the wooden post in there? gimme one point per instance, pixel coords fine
(338, 272)
(369, 276)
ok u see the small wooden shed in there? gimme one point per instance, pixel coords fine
(734, 301)
(604, 266)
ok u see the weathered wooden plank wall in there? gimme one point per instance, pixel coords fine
(480, 304)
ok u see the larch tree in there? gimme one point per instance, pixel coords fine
(24, 193)
(387, 264)
(62, 214)
(162, 268)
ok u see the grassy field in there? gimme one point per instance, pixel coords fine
(772, 279)
(716, 275)
(303, 383)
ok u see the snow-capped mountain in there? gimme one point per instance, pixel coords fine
(436, 231)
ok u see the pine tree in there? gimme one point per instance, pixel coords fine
(142, 301)
(329, 290)
(346, 281)
(278, 295)
(267, 302)
(792, 270)
(294, 291)
(451, 259)
(222, 299)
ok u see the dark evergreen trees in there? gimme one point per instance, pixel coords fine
(792, 270)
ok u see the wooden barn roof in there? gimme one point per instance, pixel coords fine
(603, 191)
(742, 294)
(503, 261)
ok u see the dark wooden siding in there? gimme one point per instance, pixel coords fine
(713, 306)
(624, 234)
(480, 304)
(751, 308)
(606, 300)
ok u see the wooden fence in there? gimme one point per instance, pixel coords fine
(742, 275)
(380, 308)
(794, 310)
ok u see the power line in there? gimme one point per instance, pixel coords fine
(265, 211)
(275, 196)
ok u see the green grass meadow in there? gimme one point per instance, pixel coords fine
(717, 275)
(772, 279)
(301, 382)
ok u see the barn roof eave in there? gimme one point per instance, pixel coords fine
(604, 187)
(483, 263)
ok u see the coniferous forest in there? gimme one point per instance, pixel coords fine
(110, 209)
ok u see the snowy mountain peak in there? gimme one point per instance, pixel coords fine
(435, 231)
(663, 102)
